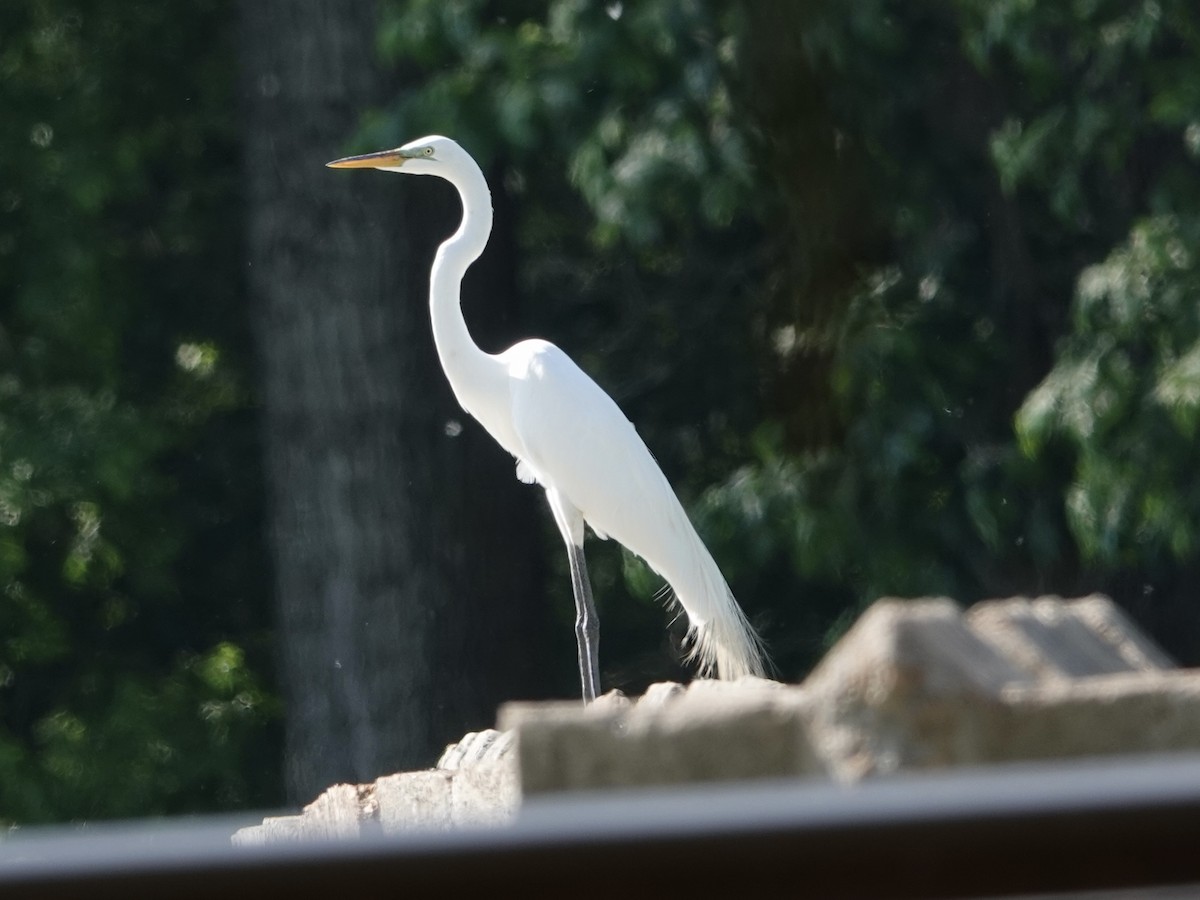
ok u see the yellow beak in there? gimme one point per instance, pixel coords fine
(384, 158)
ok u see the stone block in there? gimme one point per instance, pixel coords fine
(1050, 638)
(335, 813)
(273, 830)
(478, 748)
(917, 685)
(479, 786)
(711, 731)
(912, 685)
(411, 801)
(903, 689)
(1125, 713)
(485, 794)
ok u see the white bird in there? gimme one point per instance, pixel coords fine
(569, 436)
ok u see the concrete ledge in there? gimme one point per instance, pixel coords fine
(1052, 638)
(918, 685)
(1129, 712)
(475, 783)
(913, 685)
(710, 731)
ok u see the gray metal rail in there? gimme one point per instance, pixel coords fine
(996, 832)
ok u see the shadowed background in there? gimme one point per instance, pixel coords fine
(903, 300)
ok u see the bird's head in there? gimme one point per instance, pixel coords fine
(432, 155)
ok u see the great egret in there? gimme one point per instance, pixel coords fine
(571, 438)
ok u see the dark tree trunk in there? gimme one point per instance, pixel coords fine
(403, 548)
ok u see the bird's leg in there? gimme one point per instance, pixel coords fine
(587, 624)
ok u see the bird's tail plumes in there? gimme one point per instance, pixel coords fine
(728, 648)
(723, 643)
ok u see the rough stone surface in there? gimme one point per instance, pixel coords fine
(478, 748)
(1052, 638)
(486, 795)
(709, 731)
(902, 688)
(335, 814)
(273, 830)
(1128, 712)
(475, 783)
(411, 801)
(915, 684)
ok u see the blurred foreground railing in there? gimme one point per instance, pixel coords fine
(995, 832)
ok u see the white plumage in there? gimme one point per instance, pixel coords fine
(569, 436)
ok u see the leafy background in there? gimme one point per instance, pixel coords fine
(903, 297)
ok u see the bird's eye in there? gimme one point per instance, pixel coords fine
(428, 151)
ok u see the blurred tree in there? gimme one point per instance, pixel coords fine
(132, 628)
(398, 630)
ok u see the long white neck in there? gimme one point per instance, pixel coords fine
(470, 370)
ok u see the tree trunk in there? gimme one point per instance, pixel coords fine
(403, 547)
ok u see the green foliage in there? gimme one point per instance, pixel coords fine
(903, 296)
(1124, 396)
(167, 742)
(963, 166)
(128, 479)
(632, 99)
(1009, 145)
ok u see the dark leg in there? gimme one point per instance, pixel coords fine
(587, 625)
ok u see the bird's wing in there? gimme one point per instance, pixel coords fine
(575, 442)
(575, 439)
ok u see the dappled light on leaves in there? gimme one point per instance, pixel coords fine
(1124, 395)
(127, 468)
